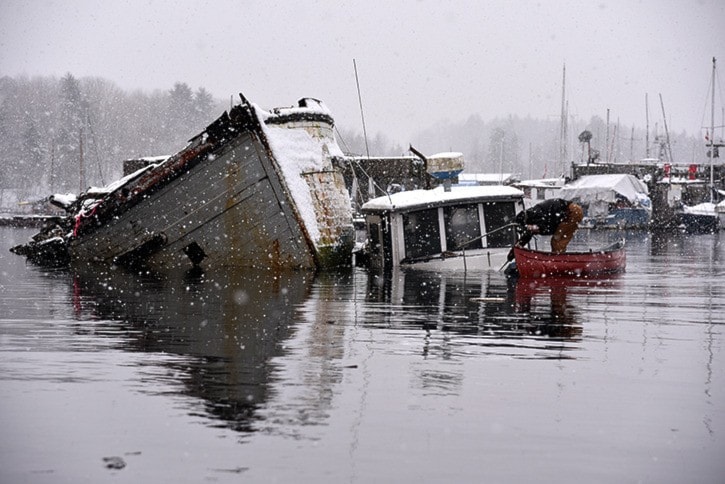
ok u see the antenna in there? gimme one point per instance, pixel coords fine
(362, 114)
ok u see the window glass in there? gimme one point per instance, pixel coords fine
(462, 225)
(498, 214)
(422, 233)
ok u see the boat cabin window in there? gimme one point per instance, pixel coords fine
(495, 215)
(462, 225)
(422, 233)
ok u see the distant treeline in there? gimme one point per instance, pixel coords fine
(531, 148)
(64, 135)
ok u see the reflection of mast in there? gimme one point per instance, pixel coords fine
(712, 129)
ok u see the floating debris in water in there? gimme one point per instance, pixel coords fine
(488, 299)
(114, 462)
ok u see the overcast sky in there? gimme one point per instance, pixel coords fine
(418, 61)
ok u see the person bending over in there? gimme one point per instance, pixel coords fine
(556, 217)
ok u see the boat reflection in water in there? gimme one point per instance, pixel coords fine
(262, 351)
(226, 326)
(520, 318)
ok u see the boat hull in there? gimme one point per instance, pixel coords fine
(255, 189)
(537, 264)
(227, 211)
(699, 223)
(475, 260)
(620, 219)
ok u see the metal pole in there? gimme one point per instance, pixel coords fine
(362, 114)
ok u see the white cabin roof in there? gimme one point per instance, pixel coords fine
(542, 183)
(438, 196)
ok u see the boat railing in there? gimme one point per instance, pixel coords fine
(462, 246)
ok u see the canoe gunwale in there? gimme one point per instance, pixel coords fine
(536, 263)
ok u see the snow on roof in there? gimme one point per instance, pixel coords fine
(306, 105)
(421, 198)
(706, 208)
(63, 199)
(301, 147)
(542, 183)
(491, 178)
(447, 154)
(154, 159)
(593, 188)
(113, 186)
(681, 181)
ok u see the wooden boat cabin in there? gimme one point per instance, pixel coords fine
(464, 227)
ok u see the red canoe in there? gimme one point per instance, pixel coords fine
(536, 263)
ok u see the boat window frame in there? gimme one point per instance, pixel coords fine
(478, 244)
(500, 235)
(404, 217)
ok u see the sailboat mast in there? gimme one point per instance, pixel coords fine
(646, 136)
(712, 130)
(668, 147)
(563, 127)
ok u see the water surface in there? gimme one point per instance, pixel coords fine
(226, 376)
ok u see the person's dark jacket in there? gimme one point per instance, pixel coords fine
(547, 215)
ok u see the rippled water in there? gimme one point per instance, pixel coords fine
(110, 376)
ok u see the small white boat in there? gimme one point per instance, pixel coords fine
(460, 228)
(536, 191)
(700, 219)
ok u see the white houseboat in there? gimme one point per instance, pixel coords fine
(460, 228)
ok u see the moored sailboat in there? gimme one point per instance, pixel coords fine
(703, 217)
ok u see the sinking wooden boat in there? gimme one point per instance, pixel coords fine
(535, 263)
(256, 188)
